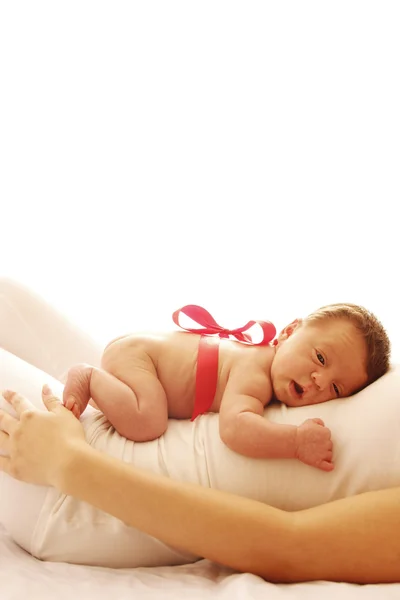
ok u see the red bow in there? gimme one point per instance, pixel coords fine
(210, 326)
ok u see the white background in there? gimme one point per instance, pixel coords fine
(239, 155)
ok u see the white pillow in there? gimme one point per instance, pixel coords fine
(365, 433)
(366, 436)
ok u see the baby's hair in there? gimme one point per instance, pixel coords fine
(371, 329)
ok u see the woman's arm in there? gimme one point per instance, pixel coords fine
(354, 540)
(216, 525)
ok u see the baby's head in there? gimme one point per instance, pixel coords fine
(333, 353)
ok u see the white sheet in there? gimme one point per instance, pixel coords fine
(24, 576)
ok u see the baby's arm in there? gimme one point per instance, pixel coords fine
(244, 429)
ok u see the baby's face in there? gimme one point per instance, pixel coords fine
(319, 361)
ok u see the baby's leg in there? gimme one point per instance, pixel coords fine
(83, 383)
(131, 396)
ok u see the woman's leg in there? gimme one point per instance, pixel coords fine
(20, 525)
(22, 504)
(33, 330)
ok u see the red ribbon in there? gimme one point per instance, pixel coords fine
(207, 360)
(210, 326)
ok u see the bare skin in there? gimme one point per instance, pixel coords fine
(146, 379)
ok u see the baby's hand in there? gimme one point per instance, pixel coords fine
(314, 445)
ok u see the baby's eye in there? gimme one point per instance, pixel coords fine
(335, 387)
(320, 358)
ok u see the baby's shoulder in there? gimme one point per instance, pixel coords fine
(250, 374)
(253, 362)
(253, 356)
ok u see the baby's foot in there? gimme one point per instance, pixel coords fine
(77, 389)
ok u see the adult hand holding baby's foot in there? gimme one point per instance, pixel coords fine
(314, 445)
(38, 445)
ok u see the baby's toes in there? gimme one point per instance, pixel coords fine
(70, 403)
(75, 411)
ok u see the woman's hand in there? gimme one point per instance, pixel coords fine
(38, 444)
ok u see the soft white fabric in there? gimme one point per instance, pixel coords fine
(22, 576)
(365, 430)
(39, 334)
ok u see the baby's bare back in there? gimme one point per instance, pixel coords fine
(172, 357)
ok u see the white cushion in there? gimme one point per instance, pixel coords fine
(366, 436)
(365, 432)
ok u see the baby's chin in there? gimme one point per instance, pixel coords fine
(280, 397)
(283, 397)
(286, 402)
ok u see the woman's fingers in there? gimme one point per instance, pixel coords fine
(19, 403)
(5, 464)
(22, 404)
(51, 401)
(4, 442)
(54, 403)
(7, 423)
(38, 443)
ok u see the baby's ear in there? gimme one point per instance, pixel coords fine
(289, 329)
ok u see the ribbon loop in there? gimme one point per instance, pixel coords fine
(209, 326)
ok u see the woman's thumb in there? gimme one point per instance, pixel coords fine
(50, 400)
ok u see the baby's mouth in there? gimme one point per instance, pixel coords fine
(298, 388)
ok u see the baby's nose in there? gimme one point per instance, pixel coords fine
(320, 380)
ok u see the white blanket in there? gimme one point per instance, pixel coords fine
(23, 576)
